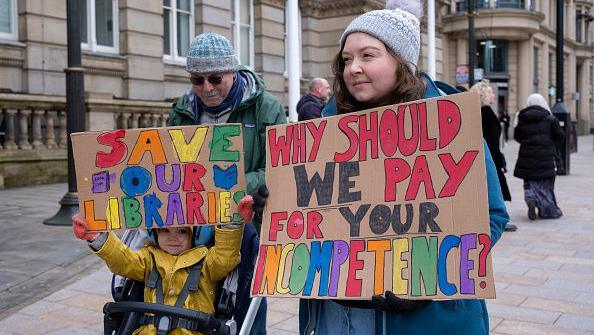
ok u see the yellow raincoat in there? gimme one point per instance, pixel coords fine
(174, 270)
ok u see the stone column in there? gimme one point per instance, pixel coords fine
(24, 129)
(63, 137)
(125, 117)
(9, 137)
(36, 130)
(525, 70)
(50, 137)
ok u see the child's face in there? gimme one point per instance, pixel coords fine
(175, 240)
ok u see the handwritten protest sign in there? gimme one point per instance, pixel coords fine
(156, 177)
(393, 198)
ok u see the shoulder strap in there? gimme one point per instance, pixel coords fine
(155, 281)
(191, 284)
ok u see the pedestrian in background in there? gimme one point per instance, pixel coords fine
(504, 119)
(311, 104)
(377, 66)
(492, 135)
(537, 132)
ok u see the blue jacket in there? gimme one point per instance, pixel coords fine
(458, 317)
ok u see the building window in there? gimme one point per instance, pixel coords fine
(535, 70)
(578, 26)
(8, 20)
(178, 28)
(99, 25)
(242, 24)
(492, 56)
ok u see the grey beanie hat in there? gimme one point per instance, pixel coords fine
(211, 52)
(397, 26)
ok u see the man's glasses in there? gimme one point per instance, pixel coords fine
(199, 80)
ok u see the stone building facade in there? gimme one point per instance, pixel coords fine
(133, 59)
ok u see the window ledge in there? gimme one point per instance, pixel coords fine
(176, 62)
(102, 54)
(13, 43)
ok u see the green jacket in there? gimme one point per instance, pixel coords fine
(260, 110)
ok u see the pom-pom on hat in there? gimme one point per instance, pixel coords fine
(211, 52)
(397, 26)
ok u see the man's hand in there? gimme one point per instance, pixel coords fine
(260, 200)
(391, 303)
(245, 208)
(81, 229)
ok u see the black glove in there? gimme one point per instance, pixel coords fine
(392, 303)
(260, 200)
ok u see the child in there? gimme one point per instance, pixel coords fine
(174, 257)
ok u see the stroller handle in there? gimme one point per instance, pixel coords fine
(208, 323)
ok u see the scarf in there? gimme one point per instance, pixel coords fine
(232, 100)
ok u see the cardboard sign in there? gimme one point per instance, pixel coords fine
(157, 177)
(389, 199)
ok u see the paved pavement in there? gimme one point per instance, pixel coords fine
(544, 272)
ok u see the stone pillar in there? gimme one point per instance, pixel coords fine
(45, 53)
(213, 16)
(141, 42)
(525, 70)
(269, 47)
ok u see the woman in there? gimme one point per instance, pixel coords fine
(537, 131)
(376, 66)
(492, 135)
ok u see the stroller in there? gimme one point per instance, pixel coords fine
(129, 311)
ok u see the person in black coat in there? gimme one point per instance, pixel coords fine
(311, 104)
(492, 135)
(537, 132)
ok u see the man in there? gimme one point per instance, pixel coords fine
(311, 104)
(224, 92)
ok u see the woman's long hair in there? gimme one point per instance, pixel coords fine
(409, 87)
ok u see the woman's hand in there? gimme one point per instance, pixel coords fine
(81, 229)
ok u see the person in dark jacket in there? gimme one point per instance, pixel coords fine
(537, 131)
(492, 135)
(311, 104)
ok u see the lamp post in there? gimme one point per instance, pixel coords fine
(75, 111)
(471, 43)
(560, 109)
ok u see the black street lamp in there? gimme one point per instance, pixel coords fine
(560, 109)
(471, 43)
(75, 111)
